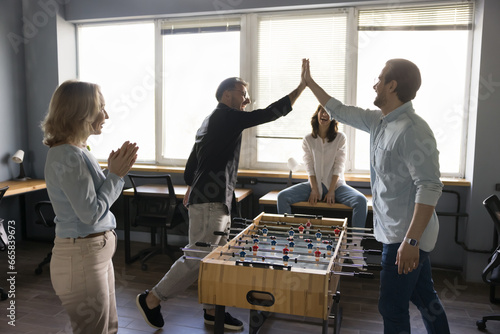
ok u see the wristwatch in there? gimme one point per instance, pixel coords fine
(412, 242)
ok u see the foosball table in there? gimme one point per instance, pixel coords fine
(282, 264)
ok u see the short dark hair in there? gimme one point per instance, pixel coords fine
(227, 84)
(407, 75)
(333, 129)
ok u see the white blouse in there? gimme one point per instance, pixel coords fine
(325, 159)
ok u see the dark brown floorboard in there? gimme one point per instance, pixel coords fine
(38, 310)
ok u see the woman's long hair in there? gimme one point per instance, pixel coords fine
(73, 108)
(331, 134)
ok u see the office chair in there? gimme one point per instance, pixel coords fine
(3, 238)
(491, 273)
(45, 216)
(156, 211)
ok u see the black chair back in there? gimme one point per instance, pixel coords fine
(491, 273)
(3, 191)
(45, 213)
(492, 205)
(153, 210)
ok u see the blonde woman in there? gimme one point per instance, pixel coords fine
(81, 268)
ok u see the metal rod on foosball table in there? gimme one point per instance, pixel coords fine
(295, 260)
(249, 248)
(298, 244)
(284, 230)
(354, 274)
(366, 251)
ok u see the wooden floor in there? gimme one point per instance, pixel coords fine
(38, 309)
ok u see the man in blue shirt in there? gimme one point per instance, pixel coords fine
(404, 171)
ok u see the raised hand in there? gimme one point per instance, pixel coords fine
(123, 159)
(306, 72)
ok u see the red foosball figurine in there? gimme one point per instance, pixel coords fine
(301, 230)
(317, 254)
(308, 226)
(336, 232)
(255, 248)
(286, 250)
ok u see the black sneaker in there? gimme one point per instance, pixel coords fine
(229, 321)
(153, 317)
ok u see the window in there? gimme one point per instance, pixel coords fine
(159, 77)
(278, 73)
(120, 58)
(196, 57)
(436, 39)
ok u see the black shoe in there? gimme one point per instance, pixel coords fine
(229, 321)
(153, 317)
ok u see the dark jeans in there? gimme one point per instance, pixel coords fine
(397, 290)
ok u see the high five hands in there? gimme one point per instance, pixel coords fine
(306, 72)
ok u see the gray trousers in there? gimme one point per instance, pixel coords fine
(204, 219)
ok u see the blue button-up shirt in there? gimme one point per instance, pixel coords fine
(404, 168)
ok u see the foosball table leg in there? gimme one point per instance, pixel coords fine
(335, 315)
(257, 319)
(220, 314)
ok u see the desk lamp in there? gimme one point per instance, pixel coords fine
(18, 159)
(293, 166)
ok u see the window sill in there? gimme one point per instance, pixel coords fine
(350, 177)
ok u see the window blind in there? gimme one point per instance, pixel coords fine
(443, 17)
(200, 26)
(282, 44)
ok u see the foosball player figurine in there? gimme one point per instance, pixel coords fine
(273, 244)
(255, 248)
(310, 247)
(285, 259)
(291, 232)
(317, 254)
(291, 244)
(336, 232)
(308, 226)
(318, 235)
(242, 255)
(329, 248)
(301, 230)
(255, 239)
(286, 250)
(264, 231)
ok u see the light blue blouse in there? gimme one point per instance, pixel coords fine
(404, 168)
(81, 194)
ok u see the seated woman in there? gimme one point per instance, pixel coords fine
(324, 157)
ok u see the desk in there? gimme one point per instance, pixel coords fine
(21, 188)
(161, 190)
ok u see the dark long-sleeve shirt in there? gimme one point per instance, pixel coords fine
(212, 167)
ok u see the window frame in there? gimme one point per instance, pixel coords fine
(248, 71)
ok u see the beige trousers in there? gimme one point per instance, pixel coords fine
(82, 275)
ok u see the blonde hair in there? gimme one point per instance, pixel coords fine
(73, 108)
